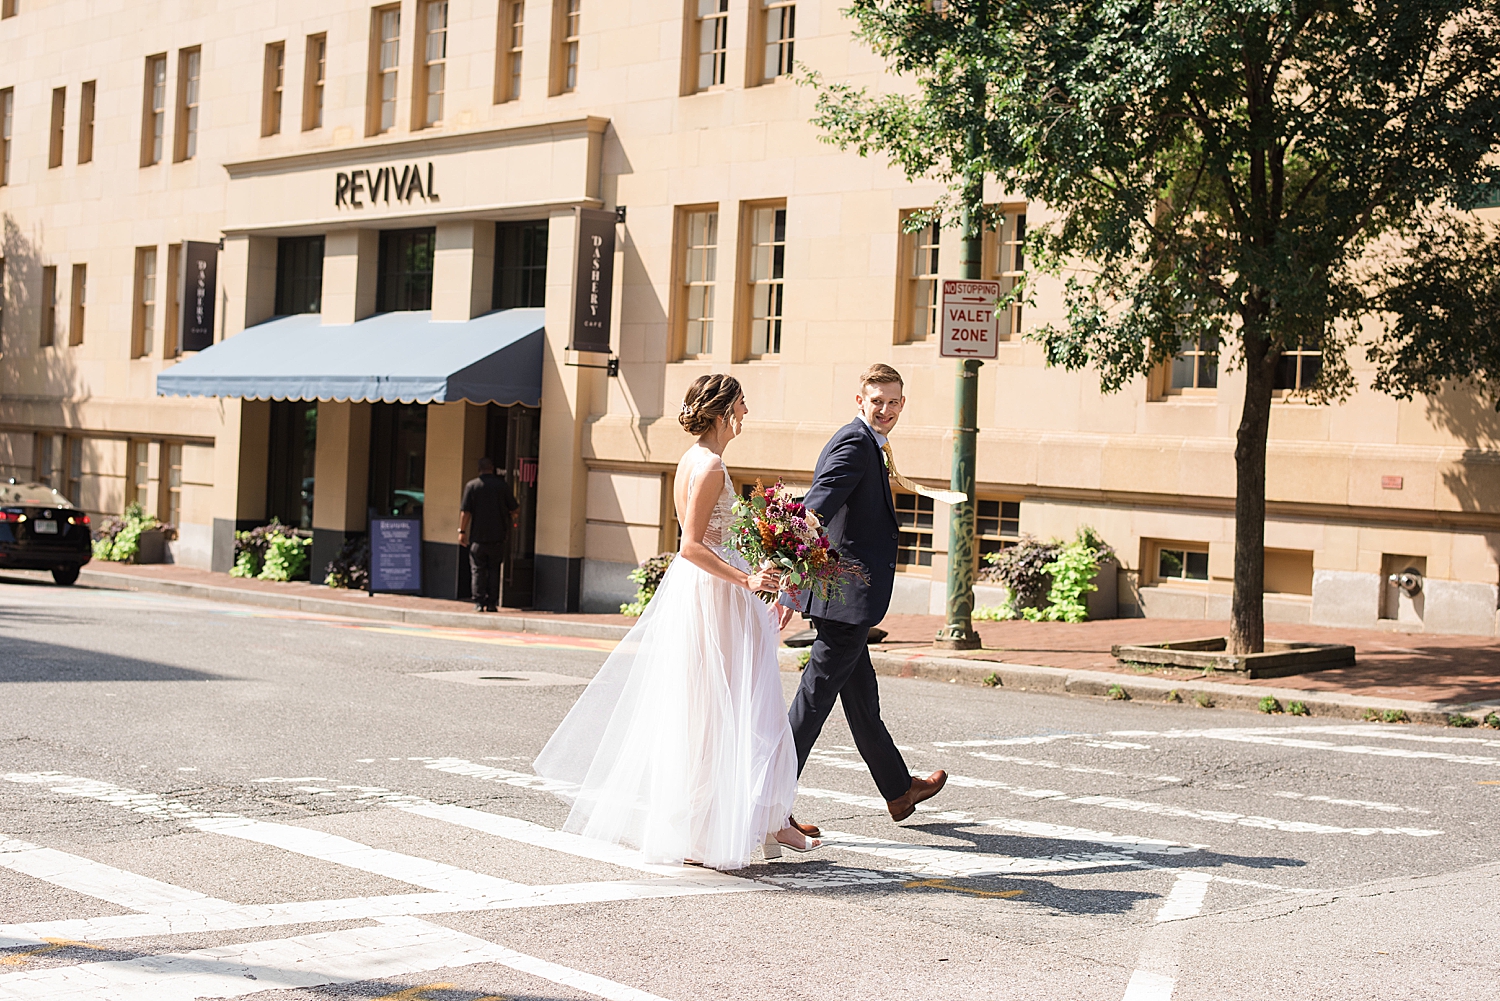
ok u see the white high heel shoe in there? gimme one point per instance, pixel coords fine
(772, 847)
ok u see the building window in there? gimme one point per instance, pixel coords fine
(171, 481)
(1178, 561)
(299, 275)
(1005, 262)
(73, 485)
(8, 8)
(171, 338)
(997, 525)
(7, 116)
(914, 518)
(711, 32)
(1195, 367)
(512, 32)
(48, 460)
(520, 265)
(405, 269)
(779, 34)
(385, 58)
(1298, 367)
(86, 122)
(77, 303)
(189, 67)
(55, 133)
(143, 324)
(313, 75)
(700, 240)
(767, 232)
(1289, 571)
(398, 459)
(565, 55)
(919, 293)
(291, 461)
(434, 62)
(270, 112)
(154, 111)
(138, 486)
(49, 305)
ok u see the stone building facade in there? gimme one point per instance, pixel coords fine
(383, 187)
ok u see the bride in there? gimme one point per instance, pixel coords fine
(680, 746)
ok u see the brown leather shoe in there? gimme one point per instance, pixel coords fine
(808, 830)
(905, 805)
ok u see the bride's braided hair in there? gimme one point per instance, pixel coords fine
(708, 399)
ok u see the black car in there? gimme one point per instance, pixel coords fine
(41, 530)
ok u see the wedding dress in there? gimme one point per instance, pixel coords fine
(680, 745)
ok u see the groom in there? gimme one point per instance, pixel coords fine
(851, 494)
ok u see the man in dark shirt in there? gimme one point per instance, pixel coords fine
(484, 527)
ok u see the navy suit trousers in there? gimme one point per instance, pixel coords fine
(840, 669)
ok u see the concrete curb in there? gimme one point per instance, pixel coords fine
(1017, 677)
(1063, 681)
(354, 610)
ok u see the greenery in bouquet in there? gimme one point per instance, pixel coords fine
(770, 526)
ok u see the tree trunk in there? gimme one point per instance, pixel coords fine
(1247, 626)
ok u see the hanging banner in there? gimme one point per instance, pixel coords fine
(200, 278)
(396, 555)
(593, 280)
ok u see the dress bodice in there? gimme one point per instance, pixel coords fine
(723, 512)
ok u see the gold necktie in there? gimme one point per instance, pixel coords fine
(946, 496)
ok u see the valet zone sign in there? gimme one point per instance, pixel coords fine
(968, 322)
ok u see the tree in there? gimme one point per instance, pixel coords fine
(1255, 176)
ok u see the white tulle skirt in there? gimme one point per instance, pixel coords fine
(680, 746)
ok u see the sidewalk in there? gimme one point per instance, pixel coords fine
(1427, 677)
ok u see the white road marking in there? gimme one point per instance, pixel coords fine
(489, 773)
(237, 916)
(1007, 741)
(97, 880)
(1261, 736)
(928, 861)
(1124, 842)
(1080, 769)
(395, 947)
(1363, 804)
(1136, 806)
(353, 855)
(1146, 986)
(1186, 898)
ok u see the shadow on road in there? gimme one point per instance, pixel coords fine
(31, 661)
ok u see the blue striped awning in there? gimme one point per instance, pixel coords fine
(390, 357)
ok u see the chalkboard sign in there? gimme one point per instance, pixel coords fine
(396, 555)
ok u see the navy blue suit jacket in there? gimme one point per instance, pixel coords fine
(851, 495)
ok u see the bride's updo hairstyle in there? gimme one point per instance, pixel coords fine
(708, 399)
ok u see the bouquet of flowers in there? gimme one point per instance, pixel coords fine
(770, 526)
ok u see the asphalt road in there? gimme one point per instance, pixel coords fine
(208, 800)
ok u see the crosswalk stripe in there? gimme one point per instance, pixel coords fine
(97, 880)
(928, 861)
(353, 855)
(1258, 736)
(392, 948)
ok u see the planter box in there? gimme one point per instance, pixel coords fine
(153, 547)
(1281, 657)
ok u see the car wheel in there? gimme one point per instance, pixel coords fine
(64, 576)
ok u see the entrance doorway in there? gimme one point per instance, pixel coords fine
(398, 459)
(291, 461)
(513, 438)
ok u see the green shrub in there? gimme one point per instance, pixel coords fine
(119, 540)
(1204, 699)
(1370, 716)
(1022, 569)
(351, 567)
(1174, 696)
(1298, 709)
(803, 658)
(1460, 720)
(647, 579)
(1395, 716)
(1492, 720)
(272, 552)
(1047, 581)
(994, 613)
(1270, 705)
(1118, 694)
(992, 680)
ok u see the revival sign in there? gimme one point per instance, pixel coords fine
(594, 280)
(358, 188)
